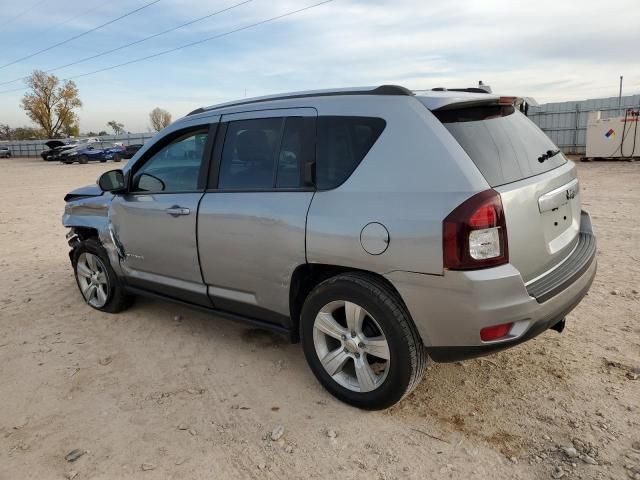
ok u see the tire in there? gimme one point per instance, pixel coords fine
(117, 157)
(83, 159)
(384, 314)
(103, 160)
(113, 299)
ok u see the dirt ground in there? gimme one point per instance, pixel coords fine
(162, 391)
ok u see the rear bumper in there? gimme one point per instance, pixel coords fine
(450, 310)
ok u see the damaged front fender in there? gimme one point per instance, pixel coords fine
(90, 216)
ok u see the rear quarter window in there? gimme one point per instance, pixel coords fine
(503, 143)
(342, 143)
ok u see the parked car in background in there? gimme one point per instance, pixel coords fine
(5, 152)
(131, 150)
(56, 147)
(378, 226)
(93, 152)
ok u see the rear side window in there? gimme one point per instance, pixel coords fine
(296, 150)
(248, 155)
(342, 143)
(503, 143)
(266, 153)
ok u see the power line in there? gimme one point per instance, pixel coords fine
(198, 42)
(75, 37)
(191, 44)
(122, 47)
(24, 11)
(61, 24)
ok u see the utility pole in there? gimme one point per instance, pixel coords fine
(620, 97)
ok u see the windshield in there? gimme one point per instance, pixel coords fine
(503, 143)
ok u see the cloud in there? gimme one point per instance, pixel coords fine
(548, 50)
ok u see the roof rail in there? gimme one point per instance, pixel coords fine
(381, 90)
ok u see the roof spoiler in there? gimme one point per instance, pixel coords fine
(468, 90)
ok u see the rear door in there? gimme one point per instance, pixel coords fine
(538, 185)
(251, 223)
(155, 222)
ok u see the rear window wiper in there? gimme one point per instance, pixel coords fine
(547, 155)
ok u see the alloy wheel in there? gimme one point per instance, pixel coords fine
(351, 346)
(92, 279)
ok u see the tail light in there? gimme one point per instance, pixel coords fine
(495, 332)
(475, 233)
(507, 100)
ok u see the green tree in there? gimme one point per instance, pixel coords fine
(50, 103)
(28, 133)
(71, 129)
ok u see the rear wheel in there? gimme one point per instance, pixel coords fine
(83, 159)
(98, 283)
(117, 157)
(360, 341)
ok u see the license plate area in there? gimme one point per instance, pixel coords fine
(560, 213)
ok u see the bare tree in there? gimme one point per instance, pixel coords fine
(50, 104)
(159, 119)
(117, 127)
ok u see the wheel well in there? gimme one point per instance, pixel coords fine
(85, 233)
(81, 234)
(307, 276)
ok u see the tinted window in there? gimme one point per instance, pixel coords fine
(342, 143)
(502, 142)
(249, 152)
(295, 150)
(175, 167)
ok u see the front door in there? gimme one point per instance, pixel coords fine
(251, 224)
(155, 222)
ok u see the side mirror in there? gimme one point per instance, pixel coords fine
(112, 181)
(150, 183)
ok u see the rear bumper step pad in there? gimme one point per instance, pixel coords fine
(580, 260)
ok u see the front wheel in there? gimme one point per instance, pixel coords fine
(83, 159)
(360, 341)
(98, 283)
(117, 157)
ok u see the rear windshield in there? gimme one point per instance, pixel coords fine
(503, 143)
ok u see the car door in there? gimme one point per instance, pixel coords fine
(94, 152)
(154, 223)
(251, 223)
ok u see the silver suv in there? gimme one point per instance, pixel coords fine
(378, 226)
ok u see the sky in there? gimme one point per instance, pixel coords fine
(548, 50)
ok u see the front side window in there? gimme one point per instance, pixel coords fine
(341, 145)
(175, 167)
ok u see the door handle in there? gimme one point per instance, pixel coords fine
(176, 211)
